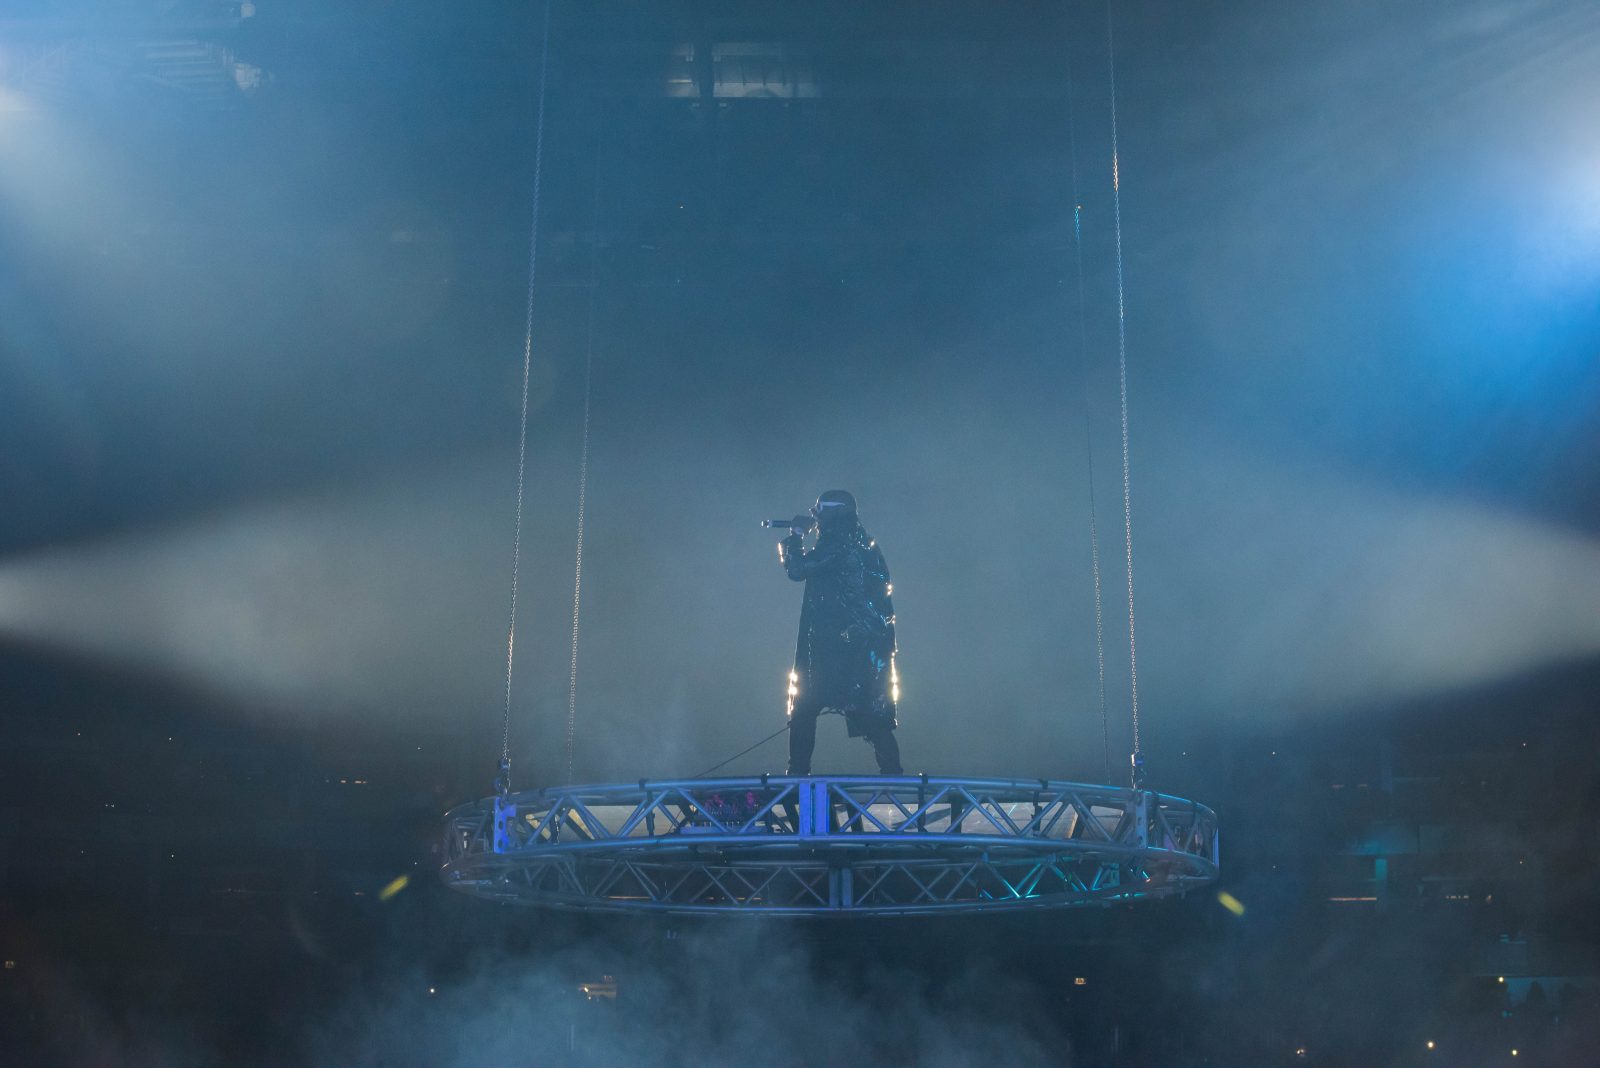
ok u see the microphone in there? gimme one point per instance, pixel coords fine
(797, 524)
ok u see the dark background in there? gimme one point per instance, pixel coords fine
(263, 275)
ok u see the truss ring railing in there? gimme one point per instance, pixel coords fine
(830, 845)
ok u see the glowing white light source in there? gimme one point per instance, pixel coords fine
(287, 604)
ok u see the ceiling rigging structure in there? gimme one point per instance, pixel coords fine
(819, 845)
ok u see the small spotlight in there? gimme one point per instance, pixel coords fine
(432, 991)
(1080, 981)
(1501, 979)
(1513, 1053)
(1430, 1043)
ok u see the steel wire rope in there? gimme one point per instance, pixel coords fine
(1122, 379)
(583, 468)
(503, 781)
(1088, 434)
(1099, 615)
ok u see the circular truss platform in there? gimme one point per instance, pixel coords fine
(830, 845)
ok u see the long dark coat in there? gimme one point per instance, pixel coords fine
(844, 659)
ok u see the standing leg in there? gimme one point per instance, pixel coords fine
(887, 751)
(802, 738)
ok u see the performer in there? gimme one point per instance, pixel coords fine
(844, 660)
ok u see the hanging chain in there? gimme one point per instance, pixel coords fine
(583, 472)
(502, 781)
(1088, 434)
(1122, 377)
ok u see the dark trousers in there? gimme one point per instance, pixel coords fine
(803, 742)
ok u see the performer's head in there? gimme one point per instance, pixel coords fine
(834, 509)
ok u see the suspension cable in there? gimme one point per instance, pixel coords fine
(503, 780)
(1099, 612)
(1088, 433)
(583, 469)
(1122, 378)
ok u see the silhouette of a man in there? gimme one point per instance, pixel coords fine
(844, 659)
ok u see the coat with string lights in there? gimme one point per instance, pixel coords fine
(844, 659)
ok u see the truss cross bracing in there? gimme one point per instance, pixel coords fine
(830, 845)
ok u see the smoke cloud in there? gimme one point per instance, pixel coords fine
(1265, 592)
(728, 994)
